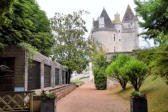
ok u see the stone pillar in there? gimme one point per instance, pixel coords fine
(60, 76)
(52, 75)
(26, 72)
(42, 74)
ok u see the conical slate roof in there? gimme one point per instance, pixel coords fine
(129, 15)
(107, 21)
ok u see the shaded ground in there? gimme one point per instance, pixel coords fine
(87, 99)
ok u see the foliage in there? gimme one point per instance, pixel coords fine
(156, 58)
(4, 8)
(100, 79)
(28, 47)
(27, 23)
(156, 93)
(99, 66)
(155, 17)
(114, 70)
(83, 77)
(32, 51)
(155, 23)
(71, 48)
(51, 96)
(137, 94)
(145, 55)
(46, 95)
(113, 58)
(160, 63)
(78, 82)
(136, 72)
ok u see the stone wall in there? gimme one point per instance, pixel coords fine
(60, 91)
(111, 83)
(44, 61)
(21, 65)
(63, 90)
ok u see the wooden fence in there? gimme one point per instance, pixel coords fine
(16, 101)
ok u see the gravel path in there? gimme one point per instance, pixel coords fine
(87, 99)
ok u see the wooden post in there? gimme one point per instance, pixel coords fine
(31, 102)
(42, 74)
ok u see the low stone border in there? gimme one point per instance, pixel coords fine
(63, 90)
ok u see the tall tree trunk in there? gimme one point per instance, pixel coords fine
(123, 84)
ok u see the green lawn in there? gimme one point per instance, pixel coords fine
(157, 94)
(77, 82)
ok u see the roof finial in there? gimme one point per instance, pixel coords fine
(117, 19)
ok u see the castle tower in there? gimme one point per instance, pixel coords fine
(118, 26)
(104, 32)
(117, 22)
(116, 37)
(130, 31)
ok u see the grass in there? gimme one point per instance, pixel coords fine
(77, 82)
(157, 94)
(83, 77)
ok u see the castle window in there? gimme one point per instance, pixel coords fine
(114, 37)
(101, 22)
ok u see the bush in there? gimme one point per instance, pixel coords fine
(136, 72)
(114, 70)
(99, 66)
(99, 78)
(77, 82)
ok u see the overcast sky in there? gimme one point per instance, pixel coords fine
(95, 8)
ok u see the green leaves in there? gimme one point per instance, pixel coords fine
(5, 6)
(71, 48)
(114, 69)
(99, 66)
(154, 14)
(27, 23)
(136, 72)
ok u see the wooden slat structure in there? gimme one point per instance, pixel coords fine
(16, 101)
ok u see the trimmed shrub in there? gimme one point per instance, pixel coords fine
(99, 78)
(136, 72)
(99, 66)
(114, 70)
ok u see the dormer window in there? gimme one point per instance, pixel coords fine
(101, 22)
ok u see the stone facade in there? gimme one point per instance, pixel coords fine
(116, 36)
(22, 68)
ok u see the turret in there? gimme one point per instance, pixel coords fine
(103, 22)
(117, 22)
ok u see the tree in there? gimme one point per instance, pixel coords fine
(135, 71)
(155, 17)
(155, 21)
(27, 23)
(99, 65)
(4, 8)
(71, 49)
(114, 70)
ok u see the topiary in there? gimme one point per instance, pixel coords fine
(99, 78)
(136, 72)
(114, 70)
